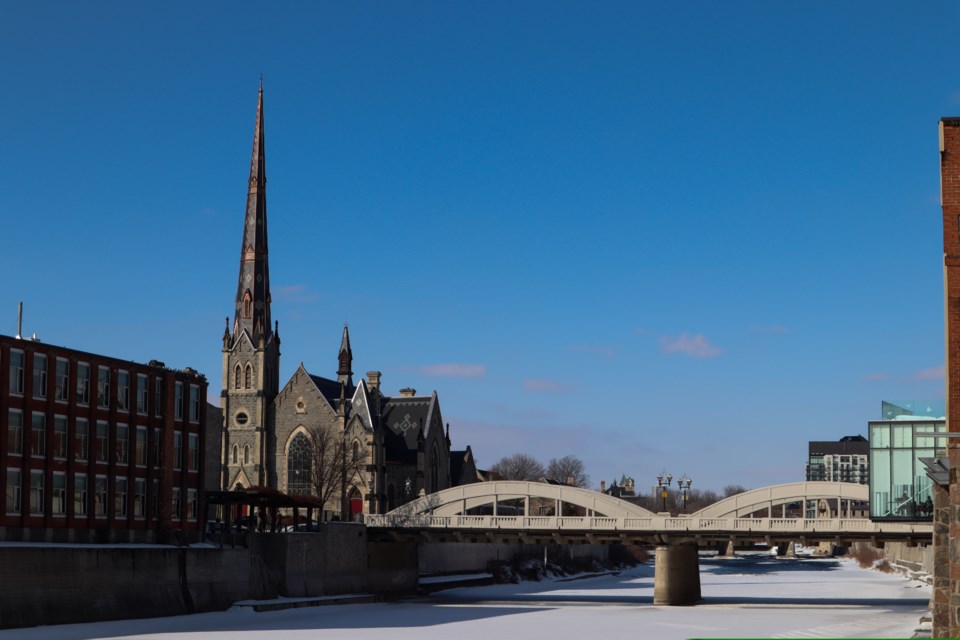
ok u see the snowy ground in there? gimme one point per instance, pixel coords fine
(751, 597)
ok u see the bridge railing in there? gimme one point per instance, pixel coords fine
(645, 525)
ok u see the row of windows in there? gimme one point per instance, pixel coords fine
(89, 499)
(123, 382)
(247, 375)
(100, 438)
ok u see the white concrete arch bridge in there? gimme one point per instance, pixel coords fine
(514, 511)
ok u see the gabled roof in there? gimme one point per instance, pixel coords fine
(360, 405)
(404, 417)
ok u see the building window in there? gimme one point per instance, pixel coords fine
(158, 398)
(123, 443)
(36, 493)
(246, 454)
(83, 383)
(247, 299)
(236, 453)
(38, 435)
(80, 439)
(176, 503)
(141, 447)
(59, 494)
(14, 431)
(177, 450)
(123, 391)
(194, 403)
(63, 380)
(60, 436)
(157, 448)
(16, 372)
(355, 454)
(191, 504)
(300, 466)
(236, 377)
(120, 498)
(142, 394)
(139, 498)
(80, 494)
(193, 452)
(103, 387)
(248, 377)
(39, 375)
(155, 487)
(13, 491)
(178, 401)
(100, 496)
(103, 434)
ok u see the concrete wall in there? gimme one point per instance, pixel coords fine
(58, 585)
(464, 557)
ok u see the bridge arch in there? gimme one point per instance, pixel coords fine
(743, 504)
(459, 500)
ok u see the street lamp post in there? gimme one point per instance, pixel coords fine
(663, 481)
(684, 484)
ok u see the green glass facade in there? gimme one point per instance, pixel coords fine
(899, 486)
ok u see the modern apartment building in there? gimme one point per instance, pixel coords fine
(846, 460)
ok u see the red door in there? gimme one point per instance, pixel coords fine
(356, 506)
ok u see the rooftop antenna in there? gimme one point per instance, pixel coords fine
(20, 320)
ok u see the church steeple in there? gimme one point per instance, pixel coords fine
(345, 358)
(253, 289)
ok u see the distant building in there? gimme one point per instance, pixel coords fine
(846, 460)
(97, 449)
(625, 489)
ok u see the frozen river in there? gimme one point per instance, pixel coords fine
(747, 597)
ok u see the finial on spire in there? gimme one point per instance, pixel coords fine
(261, 83)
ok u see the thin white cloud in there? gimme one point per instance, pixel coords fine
(295, 293)
(550, 386)
(693, 345)
(454, 370)
(875, 376)
(933, 373)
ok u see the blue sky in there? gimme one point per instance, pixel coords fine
(657, 236)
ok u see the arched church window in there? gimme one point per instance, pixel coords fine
(356, 451)
(434, 469)
(236, 378)
(248, 377)
(246, 454)
(236, 453)
(247, 302)
(300, 466)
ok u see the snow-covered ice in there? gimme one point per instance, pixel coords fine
(752, 597)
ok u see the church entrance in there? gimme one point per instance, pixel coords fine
(356, 503)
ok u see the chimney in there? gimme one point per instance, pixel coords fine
(373, 380)
(407, 392)
(19, 320)
(603, 486)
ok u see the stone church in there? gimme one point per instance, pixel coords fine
(391, 449)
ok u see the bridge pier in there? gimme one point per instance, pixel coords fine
(676, 579)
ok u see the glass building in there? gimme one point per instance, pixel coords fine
(899, 486)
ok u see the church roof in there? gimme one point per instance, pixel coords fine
(404, 417)
(329, 388)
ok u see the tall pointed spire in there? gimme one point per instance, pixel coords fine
(345, 358)
(253, 289)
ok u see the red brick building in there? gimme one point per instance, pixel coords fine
(98, 449)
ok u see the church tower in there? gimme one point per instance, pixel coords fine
(251, 347)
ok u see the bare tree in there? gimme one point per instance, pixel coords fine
(567, 467)
(320, 465)
(519, 466)
(733, 489)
